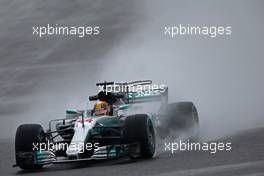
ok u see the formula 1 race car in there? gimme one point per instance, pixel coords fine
(117, 126)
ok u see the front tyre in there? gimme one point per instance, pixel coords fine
(139, 128)
(26, 135)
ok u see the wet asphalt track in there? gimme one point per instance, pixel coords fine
(245, 159)
(37, 75)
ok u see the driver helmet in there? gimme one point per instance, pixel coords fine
(101, 108)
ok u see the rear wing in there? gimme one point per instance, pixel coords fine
(133, 92)
(147, 96)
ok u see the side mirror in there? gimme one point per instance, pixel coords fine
(71, 111)
(123, 107)
(74, 112)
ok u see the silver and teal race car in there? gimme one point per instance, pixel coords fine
(128, 130)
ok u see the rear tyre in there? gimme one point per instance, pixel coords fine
(180, 116)
(26, 135)
(139, 128)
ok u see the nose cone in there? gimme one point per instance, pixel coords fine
(75, 149)
(81, 130)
